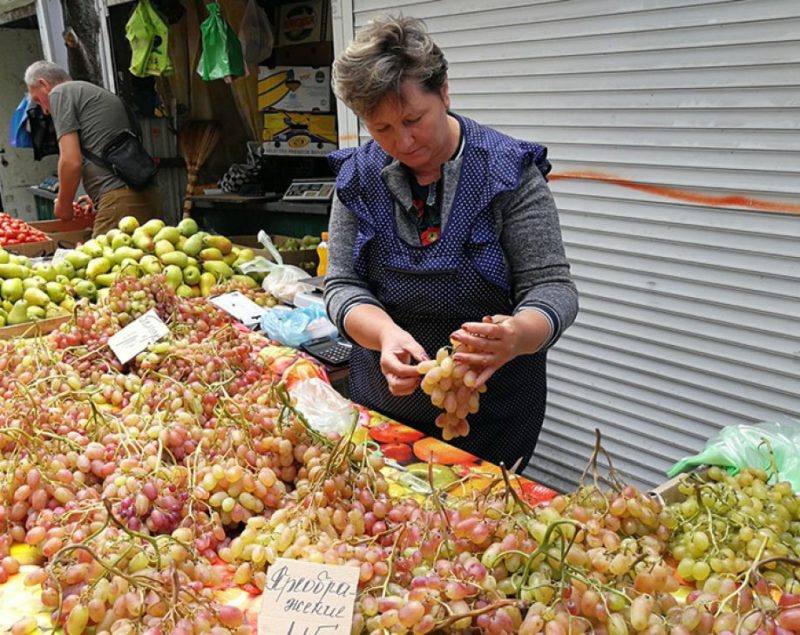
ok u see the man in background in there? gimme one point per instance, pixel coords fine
(87, 116)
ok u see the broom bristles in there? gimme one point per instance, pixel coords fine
(196, 140)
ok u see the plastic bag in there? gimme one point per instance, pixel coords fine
(738, 447)
(324, 408)
(291, 327)
(149, 38)
(20, 136)
(222, 52)
(282, 281)
(255, 34)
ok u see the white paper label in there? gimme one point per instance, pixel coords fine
(137, 336)
(240, 307)
(304, 598)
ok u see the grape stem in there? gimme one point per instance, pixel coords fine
(452, 619)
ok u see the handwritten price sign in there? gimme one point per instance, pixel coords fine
(303, 598)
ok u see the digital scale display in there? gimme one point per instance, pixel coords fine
(305, 190)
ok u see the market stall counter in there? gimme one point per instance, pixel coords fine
(153, 483)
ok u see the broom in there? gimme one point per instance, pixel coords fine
(196, 139)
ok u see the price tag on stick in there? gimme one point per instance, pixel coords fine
(137, 336)
(240, 307)
(304, 598)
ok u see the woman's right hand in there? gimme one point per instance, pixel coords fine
(398, 352)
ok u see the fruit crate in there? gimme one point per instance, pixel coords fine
(32, 329)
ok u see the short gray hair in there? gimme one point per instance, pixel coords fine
(48, 71)
(385, 53)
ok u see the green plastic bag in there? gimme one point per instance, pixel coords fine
(148, 35)
(738, 447)
(222, 52)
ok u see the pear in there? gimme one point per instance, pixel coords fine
(128, 224)
(188, 227)
(19, 313)
(152, 227)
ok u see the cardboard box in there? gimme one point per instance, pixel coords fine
(33, 250)
(297, 88)
(66, 234)
(668, 491)
(302, 22)
(299, 134)
(297, 257)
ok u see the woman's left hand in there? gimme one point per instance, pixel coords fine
(498, 339)
(493, 342)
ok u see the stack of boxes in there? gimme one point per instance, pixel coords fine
(296, 100)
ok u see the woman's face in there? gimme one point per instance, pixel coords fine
(414, 128)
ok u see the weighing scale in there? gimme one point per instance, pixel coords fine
(310, 190)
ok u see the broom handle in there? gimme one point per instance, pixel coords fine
(191, 179)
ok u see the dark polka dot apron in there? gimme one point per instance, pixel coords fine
(430, 291)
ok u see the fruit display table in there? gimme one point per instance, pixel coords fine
(155, 495)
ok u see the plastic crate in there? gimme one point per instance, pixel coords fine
(44, 207)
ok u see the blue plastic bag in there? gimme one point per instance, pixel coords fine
(20, 136)
(291, 327)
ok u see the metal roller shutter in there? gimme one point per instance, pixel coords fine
(673, 130)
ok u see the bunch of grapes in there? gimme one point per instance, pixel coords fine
(725, 523)
(451, 386)
(236, 492)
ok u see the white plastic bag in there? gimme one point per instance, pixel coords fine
(283, 281)
(255, 34)
(324, 408)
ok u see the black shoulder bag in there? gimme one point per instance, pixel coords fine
(126, 157)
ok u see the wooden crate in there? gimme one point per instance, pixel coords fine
(32, 329)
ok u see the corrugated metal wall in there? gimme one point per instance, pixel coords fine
(669, 122)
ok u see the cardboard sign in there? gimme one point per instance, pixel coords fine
(137, 336)
(303, 598)
(240, 307)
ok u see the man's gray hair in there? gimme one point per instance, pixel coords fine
(385, 53)
(48, 71)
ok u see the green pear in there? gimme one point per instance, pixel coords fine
(128, 224)
(143, 241)
(168, 233)
(97, 266)
(19, 313)
(193, 245)
(211, 253)
(35, 312)
(174, 276)
(78, 259)
(150, 264)
(34, 282)
(184, 291)
(152, 227)
(86, 289)
(12, 289)
(55, 291)
(4, 256)
(64, 268)
(177, 258)
(188, 227)
(163, 247)
(91, 247)
(221, 270)
(36, 297)
(121, 240)
(191, 275)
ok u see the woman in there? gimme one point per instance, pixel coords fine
(441, 227)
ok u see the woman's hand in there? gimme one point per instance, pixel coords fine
(498, 339)
(398, 351)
